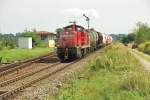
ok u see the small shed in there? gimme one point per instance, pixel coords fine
(25, 42)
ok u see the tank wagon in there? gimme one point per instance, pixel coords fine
(75, 41)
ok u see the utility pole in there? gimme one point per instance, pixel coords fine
(88, 21)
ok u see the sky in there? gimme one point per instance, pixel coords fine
(108, 16)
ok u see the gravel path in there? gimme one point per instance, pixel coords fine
(142, 61)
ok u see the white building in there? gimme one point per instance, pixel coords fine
(25, 42)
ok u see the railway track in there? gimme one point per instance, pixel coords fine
(26, 74)
(15, 66)
(11, 87)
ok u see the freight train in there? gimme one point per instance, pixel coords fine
(75, 41)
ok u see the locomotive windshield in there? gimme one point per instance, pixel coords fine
(79, 29)
(68, 29)
(67, 33)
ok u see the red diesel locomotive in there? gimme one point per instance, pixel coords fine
(75, 41)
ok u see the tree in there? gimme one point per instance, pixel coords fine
(117, 37)
(128, 38)
(58, 30)
(8, 41)
(142, 32)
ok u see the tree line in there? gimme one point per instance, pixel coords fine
(140, 36)
(10, 41)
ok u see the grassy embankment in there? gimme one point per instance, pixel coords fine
(143, 55)
(19, 54)
(113, 75)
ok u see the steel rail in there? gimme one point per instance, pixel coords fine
(13, 67)
(8, 94)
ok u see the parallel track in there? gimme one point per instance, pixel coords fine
(4, 83)
(51, 71)
(12, 67)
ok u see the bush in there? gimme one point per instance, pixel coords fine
(141, 47)
(145, 47)
(43, 44)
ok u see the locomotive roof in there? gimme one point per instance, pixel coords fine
(76, 26)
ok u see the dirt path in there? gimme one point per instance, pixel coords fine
(142, 61)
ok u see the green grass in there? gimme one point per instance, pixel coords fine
(20, 54)
(113, 75)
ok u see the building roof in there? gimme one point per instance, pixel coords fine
(45, 33)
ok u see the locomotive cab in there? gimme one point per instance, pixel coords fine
(71, 41)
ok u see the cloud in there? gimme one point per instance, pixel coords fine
(78, 12)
